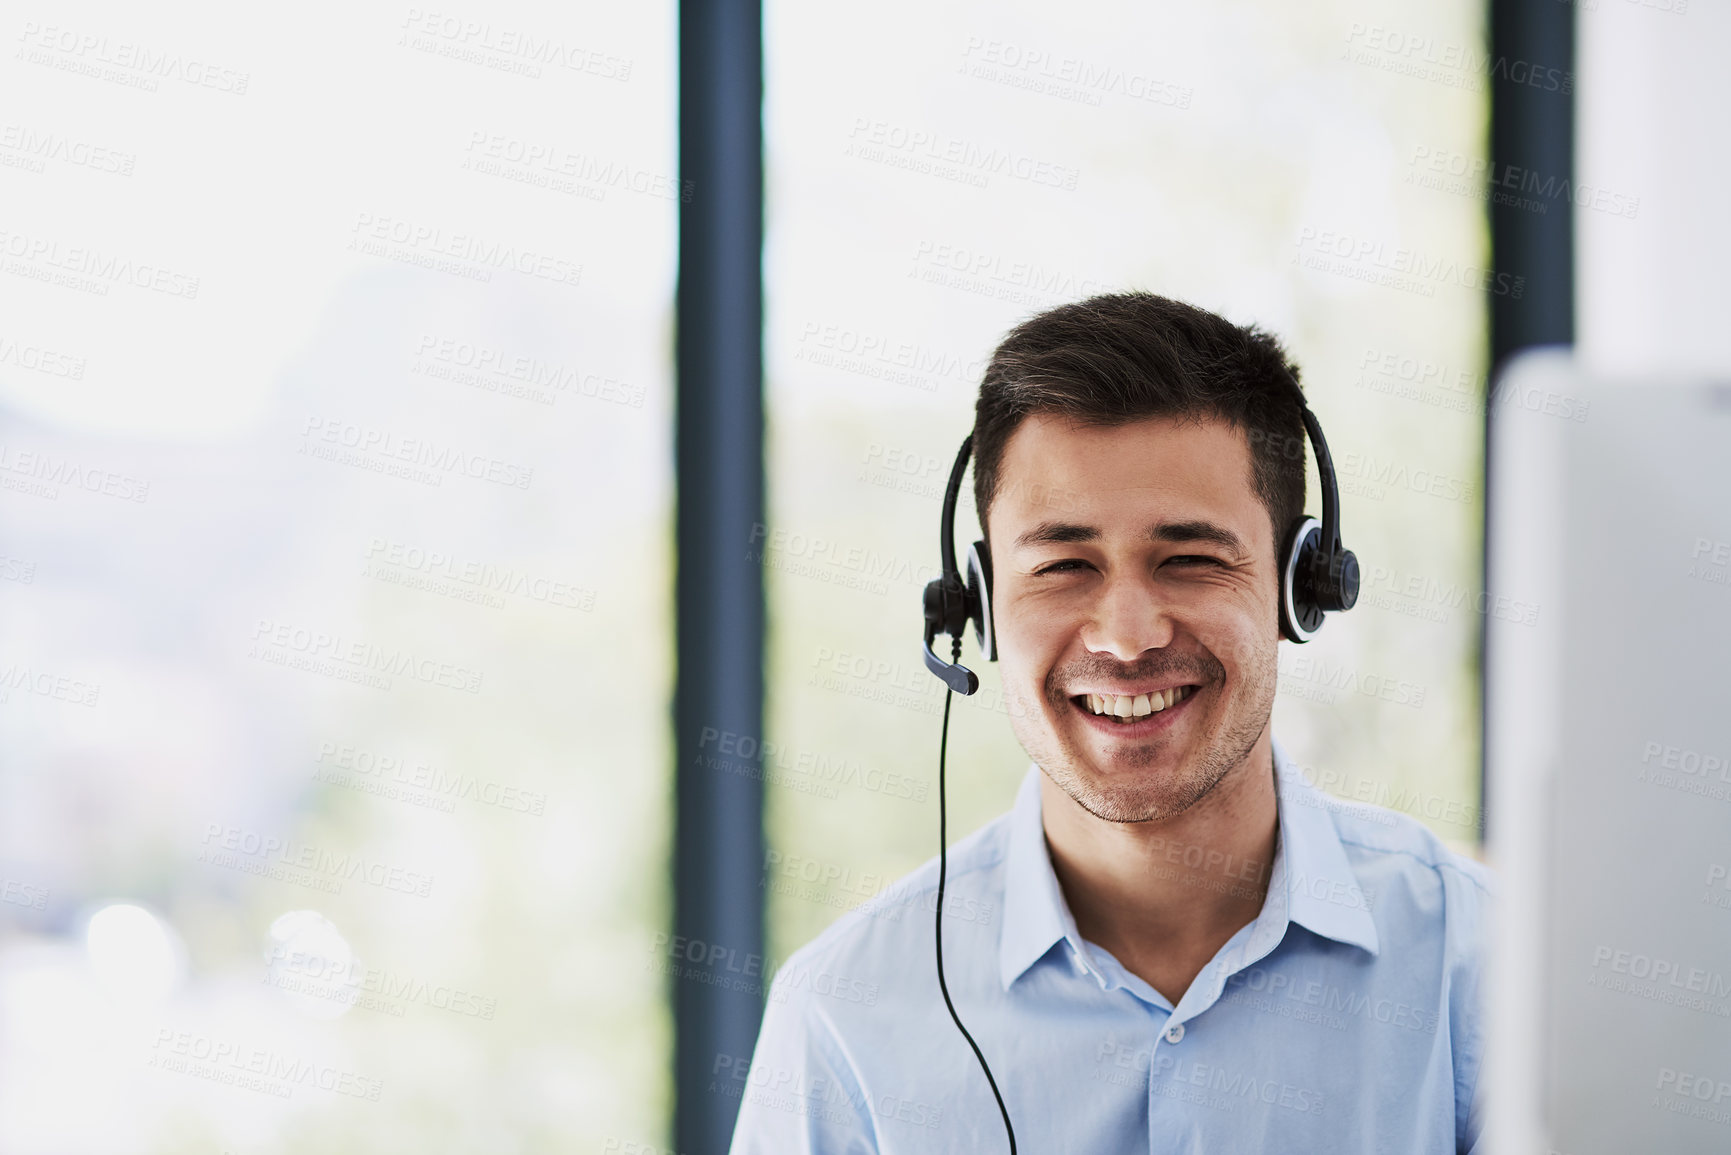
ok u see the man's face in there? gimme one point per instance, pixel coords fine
(1128, 561)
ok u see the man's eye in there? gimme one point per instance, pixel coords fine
(1060, 567)
(1194, 559)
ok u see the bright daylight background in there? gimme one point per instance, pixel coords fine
(334, 502)
(335, 648)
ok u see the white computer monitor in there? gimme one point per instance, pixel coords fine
(1608, 723)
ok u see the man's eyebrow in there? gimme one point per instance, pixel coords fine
(1070, 533)
(1057, 533)
(1182, 531)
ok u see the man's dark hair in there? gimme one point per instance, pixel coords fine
(1123, 357)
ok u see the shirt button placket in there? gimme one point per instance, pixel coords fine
(1167, 1115)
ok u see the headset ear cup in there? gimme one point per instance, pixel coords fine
(1300, 616)
(980, 599)
(1342, 581)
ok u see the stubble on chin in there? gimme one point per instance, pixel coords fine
(1131, 794)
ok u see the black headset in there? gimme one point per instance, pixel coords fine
(1318, 575)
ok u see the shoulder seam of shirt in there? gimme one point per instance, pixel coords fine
(1466, 868)
(848, 1065)
(802, 1011)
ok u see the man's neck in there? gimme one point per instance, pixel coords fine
(1164, 896)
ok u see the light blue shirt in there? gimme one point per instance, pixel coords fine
(1344, 1018)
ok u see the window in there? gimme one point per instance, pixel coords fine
(334, 495)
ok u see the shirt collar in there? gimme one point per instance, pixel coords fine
(1311, 882)
(1035, 913)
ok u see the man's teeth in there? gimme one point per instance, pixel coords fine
(1124, 708)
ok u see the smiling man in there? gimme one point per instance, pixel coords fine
(1171, 943)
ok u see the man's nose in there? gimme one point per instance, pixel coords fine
(1129, 619)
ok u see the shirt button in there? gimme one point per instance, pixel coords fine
(1175, 1032)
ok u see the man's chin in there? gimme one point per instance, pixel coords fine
(1141, 781)
(1127, 796)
